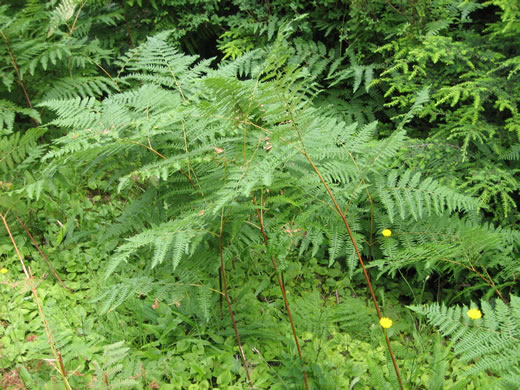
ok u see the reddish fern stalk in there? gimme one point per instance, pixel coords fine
(282, 288)
(228, 302)
(29, 278)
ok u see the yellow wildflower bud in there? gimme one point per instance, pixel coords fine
(474, 314)
(385, 322)
(386, 232)
(3, 270)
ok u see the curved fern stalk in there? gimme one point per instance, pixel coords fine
(488, 280)
(282, 288)
(371, 201)
(29, 277)
(43, 255)
(347, 226)
(18, 74)
(361, 262)
(226, 296)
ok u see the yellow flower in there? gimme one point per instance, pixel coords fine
(3, 270)
(386, 232)
(474, 314)
(385, 322)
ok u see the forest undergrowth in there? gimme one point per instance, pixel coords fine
(259, 195)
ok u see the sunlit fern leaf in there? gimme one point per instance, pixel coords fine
(18, 147)
(8, 112)
(412, 196)
(489, 343)
(117, 294)
(68, 87)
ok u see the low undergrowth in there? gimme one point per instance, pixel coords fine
(323, 206)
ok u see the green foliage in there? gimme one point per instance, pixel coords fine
(489, 343)
(136, 173)
(194, 24)
(8, 112)
(192, 157)
(221, 141)
(473, 96)
(20, 150)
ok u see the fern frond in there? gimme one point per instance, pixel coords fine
(410, 195)
(513, 153)
(114, 296)
(8, 112)
(178, 233)
(18, 147)
(490, 343)
(68, 88)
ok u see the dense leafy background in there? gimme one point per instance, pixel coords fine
(141, 139)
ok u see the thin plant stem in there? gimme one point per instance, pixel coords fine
(352, 239)
(18, 74)
(489, 282)
(62, 366)
(259, 214)
(371, 239)
(129, 30)
(187, 176)
(361, 262)
(221, 296)
(228, 302)
(73, 27)
(43, 255)
(28, 276)
(342, 215)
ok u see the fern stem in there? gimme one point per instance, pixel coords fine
(104, 71)
(187, 176)
(347, 226)
(282, 288)
(129, 30)
(62, 366)
(397, 10)
(43, 255)
(371, 239)
(361, 262)
(186, 150)
(228, 302)
(28, 276)
(221, 297)
(489, 282)
(73, 27)
(176, 82)
(18, 74)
